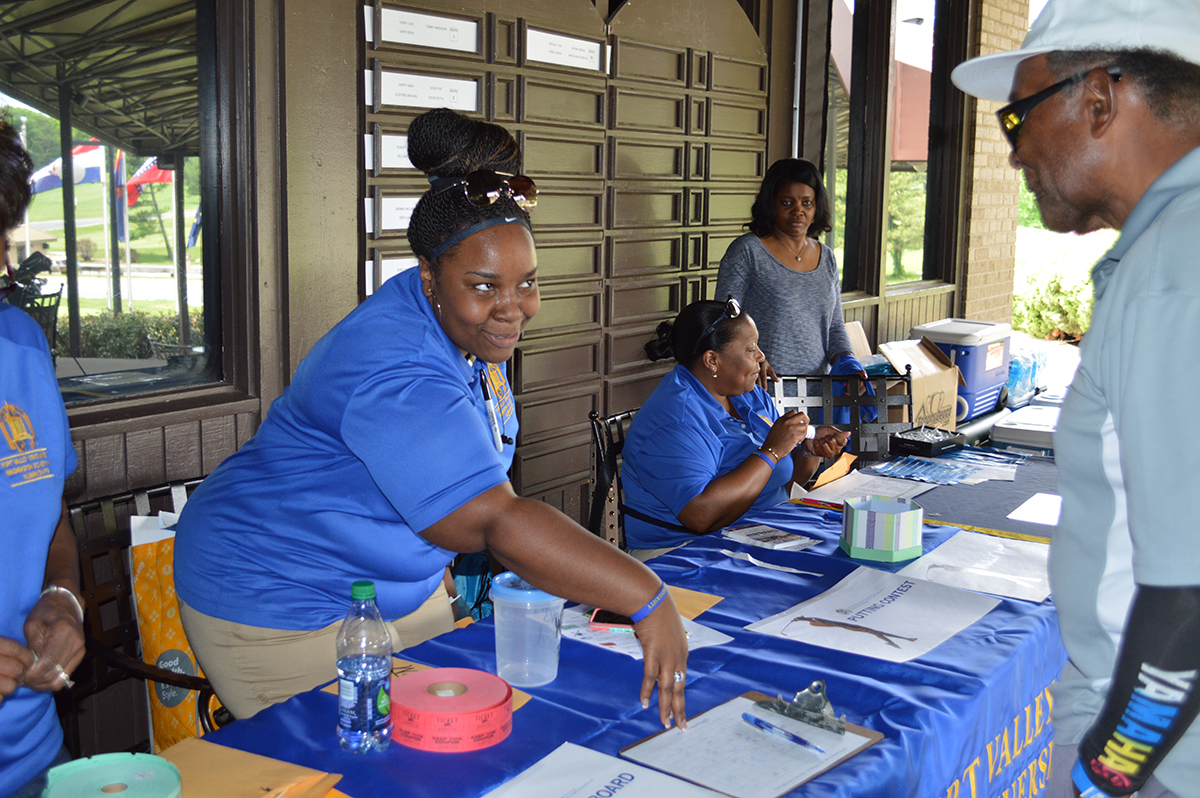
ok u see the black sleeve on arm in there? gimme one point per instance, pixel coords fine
(1154, 696)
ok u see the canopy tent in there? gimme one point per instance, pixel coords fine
(123, 71)
(130, 68)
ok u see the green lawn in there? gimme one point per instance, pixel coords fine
(47, 207)
(153, 307)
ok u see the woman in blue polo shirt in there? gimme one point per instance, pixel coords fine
(41, 616)
(389, 452)
(709, 446)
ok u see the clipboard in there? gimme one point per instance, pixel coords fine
(722, 752)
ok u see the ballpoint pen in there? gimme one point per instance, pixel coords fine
(771, 728)
(491, 413)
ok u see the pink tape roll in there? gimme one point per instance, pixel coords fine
(450, 709)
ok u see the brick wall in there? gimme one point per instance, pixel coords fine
(992, 220)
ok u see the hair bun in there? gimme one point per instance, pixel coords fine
(446, 143)
(660, 347)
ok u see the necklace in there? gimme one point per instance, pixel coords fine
(803, 247)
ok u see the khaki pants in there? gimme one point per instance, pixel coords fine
(252, 667)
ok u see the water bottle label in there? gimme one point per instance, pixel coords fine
(364, 705)
(383, 701)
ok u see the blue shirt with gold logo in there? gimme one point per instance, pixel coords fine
(35, 457)
(679, 441)
(382, 433)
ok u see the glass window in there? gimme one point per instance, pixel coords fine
(1052, 285)
(126, 256)
(909, 157)
(881, 99)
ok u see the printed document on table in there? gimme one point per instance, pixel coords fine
(879, 614)
(723, 752)
(572, 771)
(856, 484)
(575, 626)
(987, 564)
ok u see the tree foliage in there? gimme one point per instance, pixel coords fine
(42, 134)
(1054, 306)
(1028, 214)
(906, 217)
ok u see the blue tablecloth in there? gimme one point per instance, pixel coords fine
(970, 718)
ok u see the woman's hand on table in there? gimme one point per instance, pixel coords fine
(664, 653)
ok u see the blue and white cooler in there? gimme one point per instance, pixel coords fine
(980, 350)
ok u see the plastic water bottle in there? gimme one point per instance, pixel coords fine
(364, 665)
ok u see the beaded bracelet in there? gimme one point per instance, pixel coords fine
(651, 605)
(765, 459)
(68, 594)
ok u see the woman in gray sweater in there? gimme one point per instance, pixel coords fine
(786, 279)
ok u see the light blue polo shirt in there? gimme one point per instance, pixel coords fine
(1128, 452)
(36, 455)
(679, 441)
(382, 433)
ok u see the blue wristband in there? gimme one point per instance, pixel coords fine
(651, 605)
(1084, 784)
(765, 459)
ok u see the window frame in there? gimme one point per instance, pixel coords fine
(868, 152)
(226, 70)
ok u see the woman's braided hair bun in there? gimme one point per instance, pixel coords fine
(446, 144)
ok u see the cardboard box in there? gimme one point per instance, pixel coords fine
(858, 341)
(935, 382)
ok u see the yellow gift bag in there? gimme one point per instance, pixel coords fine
(152, 565)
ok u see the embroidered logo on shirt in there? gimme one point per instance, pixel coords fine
(29, 464)
(501, 395)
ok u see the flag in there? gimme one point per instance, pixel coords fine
(146, 173)
(87, 161)
(195, 234)
(119, 193)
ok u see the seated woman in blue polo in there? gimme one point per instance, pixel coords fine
(709, 445)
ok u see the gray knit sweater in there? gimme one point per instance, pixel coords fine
(799, 314)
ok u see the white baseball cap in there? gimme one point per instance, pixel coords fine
(1172, 25)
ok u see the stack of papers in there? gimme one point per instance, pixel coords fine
(768, 537)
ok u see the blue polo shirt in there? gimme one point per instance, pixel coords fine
(679, 441)
(382, 433)
(36, 455)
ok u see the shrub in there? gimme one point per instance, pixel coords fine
(1057, 306)
(87, 248)
(126, 335)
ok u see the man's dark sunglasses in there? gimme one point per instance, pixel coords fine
(732, 310)
(1013, 115)
(484, 187)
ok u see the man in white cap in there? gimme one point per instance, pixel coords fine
(1104, 121)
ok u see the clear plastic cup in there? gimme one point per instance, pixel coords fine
(528, 631)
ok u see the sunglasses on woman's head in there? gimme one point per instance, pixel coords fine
(732, 310)
(484, 187)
